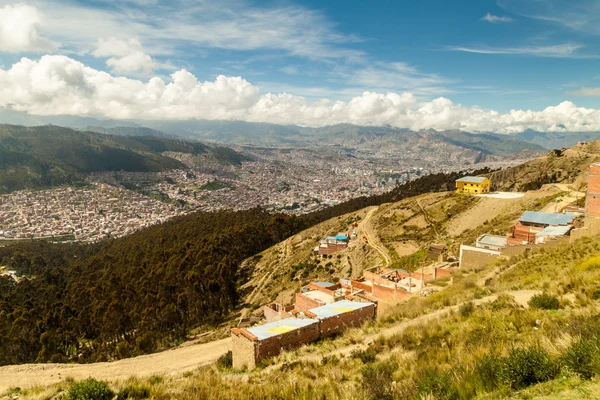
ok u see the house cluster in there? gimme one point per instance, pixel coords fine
(322, 309)
(537, 229)
(332, 244)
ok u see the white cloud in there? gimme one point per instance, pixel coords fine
(125, 57)
(556, 51)
(55, 85)
(495, 19)
(586, 91)
(18, 31)
(169, 27)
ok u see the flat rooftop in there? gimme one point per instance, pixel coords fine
(317, 295)
(492, 240)
(472, 179)
(276, 328)
(339, 307)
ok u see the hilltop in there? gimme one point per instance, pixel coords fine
(45, 156)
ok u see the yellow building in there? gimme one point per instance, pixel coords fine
(473, 184)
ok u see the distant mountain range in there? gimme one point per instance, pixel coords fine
(44, 156)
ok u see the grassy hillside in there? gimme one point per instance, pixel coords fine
(524, 328)
(45, 156)
(569, 165)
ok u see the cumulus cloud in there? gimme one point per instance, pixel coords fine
(18, 30)
(125, 57)
(495, 19)
(55, 85)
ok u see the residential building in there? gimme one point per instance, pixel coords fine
(473, 184)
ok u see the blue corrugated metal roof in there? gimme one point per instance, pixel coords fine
(323, 284)
(472, 179)
(337, 308)
(330, 238)
(536, 217)
(276, 328)
(341, 237)
(554, 231)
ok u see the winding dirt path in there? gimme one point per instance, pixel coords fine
(370, 235)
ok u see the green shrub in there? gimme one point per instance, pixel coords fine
(90, 389)
(544, 301)
(525, 367)
(134, 392)
(583, 357)
(466, 309)
(487, 372)
(435, 384)
(225, 361)
(377, 380)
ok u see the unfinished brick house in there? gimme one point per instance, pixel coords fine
(252, 345)
(536, 227)
(332, 244)
(317, 294)
(390, 284)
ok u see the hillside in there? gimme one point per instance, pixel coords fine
(46, 156)
(484, 337)
(558, 166)
(557, 140)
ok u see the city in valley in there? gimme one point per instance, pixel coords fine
(113, 204)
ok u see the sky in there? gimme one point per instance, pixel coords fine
(481, 66)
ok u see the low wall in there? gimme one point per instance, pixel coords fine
(304, 303)
(519, 249)
(474, 257)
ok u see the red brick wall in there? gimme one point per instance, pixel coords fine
(439, 273)
(593, 204)
(339, 323)
(304, 303)
(271, 347)
(384, 292)
(361, 285)
(594, 169)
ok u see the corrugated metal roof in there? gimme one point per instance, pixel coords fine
(330, 238)
(337, 308)
(271, 329)
(554, 231)
(472, 179)
(341, 237)
(536, 217)
(323, 284)
(492, 240)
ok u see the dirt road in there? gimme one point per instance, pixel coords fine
(370, 235)
(169, 362)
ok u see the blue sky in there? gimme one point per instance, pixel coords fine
(495, 55)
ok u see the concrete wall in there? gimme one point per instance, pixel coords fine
(243, 351)
(474, 257)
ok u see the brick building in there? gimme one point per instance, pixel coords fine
(534, 225)
(252, 345)
(332, 244)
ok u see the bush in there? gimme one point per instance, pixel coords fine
(583, 358)
(544, 301)
(377, 380)
(433, 384)
(525, 367)
(225, 361)
(466, 309)
(90, 389)
(134, 392)
(487, 372)
(366, 356)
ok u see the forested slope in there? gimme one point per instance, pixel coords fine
(145, 291)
